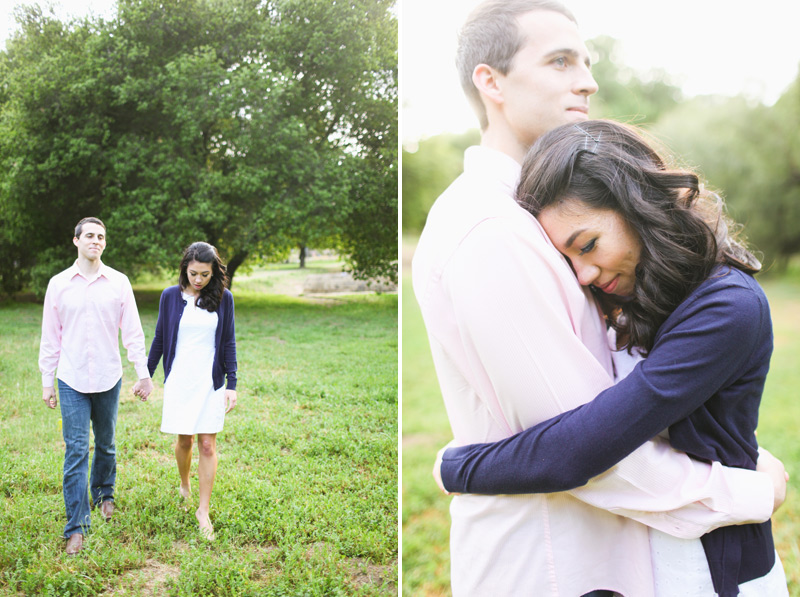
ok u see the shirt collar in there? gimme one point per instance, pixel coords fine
(494, 163)
(75, 271)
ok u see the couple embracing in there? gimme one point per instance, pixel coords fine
(600, 344)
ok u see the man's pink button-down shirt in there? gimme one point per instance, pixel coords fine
(515, 340)
(80, 330)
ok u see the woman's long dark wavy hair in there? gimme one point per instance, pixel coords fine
(211, 294)
(683, 230)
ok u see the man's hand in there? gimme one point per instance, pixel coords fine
(230, 400)
(767, 463)
(437, 470)
(143, 388)
(49, 396)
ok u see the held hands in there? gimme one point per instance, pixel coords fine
(143, 388)
(49, 396)
(230, 400)
(767, 463)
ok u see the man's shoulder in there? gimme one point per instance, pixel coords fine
(471, 203)
(471, 199)
(459, 232)
(65, 275)
(113, 274)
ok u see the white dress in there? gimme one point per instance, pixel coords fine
(680, 569)
(191, 404)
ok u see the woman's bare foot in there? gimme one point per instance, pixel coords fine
(206, 528)
(186, 492)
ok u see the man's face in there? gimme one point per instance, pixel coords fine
(549, 82)
(91, 242)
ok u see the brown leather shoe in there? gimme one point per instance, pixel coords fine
(74, 544)
(107, 509)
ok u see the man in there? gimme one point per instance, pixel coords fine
(84, 309)
(515, 340)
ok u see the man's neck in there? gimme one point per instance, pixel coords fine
(88, 267)
(502, 140)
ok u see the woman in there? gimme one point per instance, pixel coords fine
(196, 336)
(676, 286)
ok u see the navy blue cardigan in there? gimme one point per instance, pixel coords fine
(170, 311)
(703, 379)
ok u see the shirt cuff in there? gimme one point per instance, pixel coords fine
(48, 380)
(754, 496)
(142, 371)
(450, 469)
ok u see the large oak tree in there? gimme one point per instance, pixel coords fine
(254, 125)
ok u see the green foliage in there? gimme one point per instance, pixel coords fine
(305, 499)
(748, 152)
(256, 126)
(624, 94)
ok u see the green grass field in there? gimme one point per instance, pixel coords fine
(305, 500)
(425, 518)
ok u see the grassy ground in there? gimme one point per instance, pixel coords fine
(425, 517)
(305, 501)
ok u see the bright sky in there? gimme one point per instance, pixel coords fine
(722, 47)
(62, 8)
(710, 46)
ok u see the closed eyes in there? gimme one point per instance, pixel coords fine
(588, 247)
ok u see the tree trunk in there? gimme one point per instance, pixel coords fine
(233, 265)
(302, 256)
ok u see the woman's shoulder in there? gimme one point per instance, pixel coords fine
(725, 277)
(731, 287)
(226, 302)
(170, 294)
(728, 306)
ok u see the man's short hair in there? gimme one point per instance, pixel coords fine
(90, 220)
(491, 35)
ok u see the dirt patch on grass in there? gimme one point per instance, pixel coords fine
(150, 580)
(367, 574)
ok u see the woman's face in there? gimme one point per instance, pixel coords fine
(602, 248)
(199, 274)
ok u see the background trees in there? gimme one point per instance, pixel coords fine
(256, 126)
(750, 153)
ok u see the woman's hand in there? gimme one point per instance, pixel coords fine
(230, 400)
(143, 388)
(767, 463)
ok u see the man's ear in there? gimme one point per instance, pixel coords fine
(487, 80)
(75, 240)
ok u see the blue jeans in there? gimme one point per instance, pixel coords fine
(77, 411)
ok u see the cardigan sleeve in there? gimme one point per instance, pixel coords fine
(702, 347)
(230, 344)
(157, 346)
